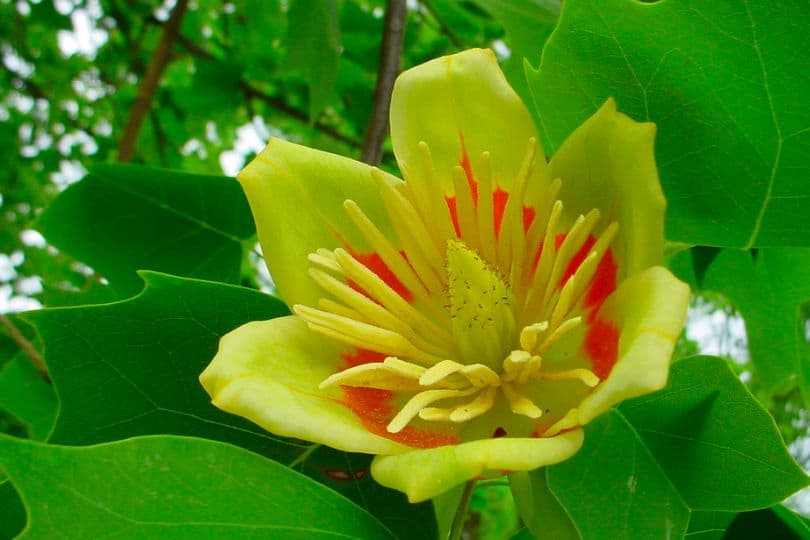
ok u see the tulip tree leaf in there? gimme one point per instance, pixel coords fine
(122, 218)
(527, 24)
(25, 394)
(173, 487)
(539, 509)
(646, 466)
(725, 83)
(774, 522)
(614, 488)
(141, 358)
(709, 525)
(714, 441)
(130, 368)
(769, 293)
(348, 474)
(313, 41)
(12, 513)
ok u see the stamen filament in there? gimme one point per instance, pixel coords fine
(422, 254)
(362, 335)
(392, 301)
(478, 406)
(520, 404)
(585, 375)
(486, 218)
(465, 208)
(420, 401)
(392, 259)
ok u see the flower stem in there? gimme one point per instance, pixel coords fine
(461, 511)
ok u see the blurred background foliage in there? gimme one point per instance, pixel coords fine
(200, 85)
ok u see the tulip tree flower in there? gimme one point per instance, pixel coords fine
(468, 321)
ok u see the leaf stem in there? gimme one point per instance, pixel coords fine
(461, 512)
(25, 346)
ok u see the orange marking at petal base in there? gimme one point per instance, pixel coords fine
(577, 259)
(601, 345)
(358, 357)
(375, 263)
(451, 206)
(372, 408)
(604, 282)
(468, 172)
(499, 200)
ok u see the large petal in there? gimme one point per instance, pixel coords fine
(296, 195)
(424, 474)
(650, 309)
(461, 97)
(269, 372)
(608, 163)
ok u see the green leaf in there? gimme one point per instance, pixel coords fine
(539, 509)
(703, 443)
(769, 293)
(528, 24)
(724, 82)
(709, 525)
(348, 474)
(26, 395)
(614, 488)
(717, 445)
(313, 41)
(775, 522)
(12, 513)
(131, 368)
(173, 487)
(122, 218)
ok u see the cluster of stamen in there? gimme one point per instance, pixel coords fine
(486, 299)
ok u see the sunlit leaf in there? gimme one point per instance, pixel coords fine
(173, 487)
(723, 80)
(123, 218)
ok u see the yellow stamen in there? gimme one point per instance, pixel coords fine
(585, 375)
(481, 404)
(486, 219)
(465, 208)
(419, 402)
(520, 404)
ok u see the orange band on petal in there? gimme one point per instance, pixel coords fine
(602, 346)
(374, 262)
(372, 408)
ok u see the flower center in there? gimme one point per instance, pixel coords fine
(495, 280)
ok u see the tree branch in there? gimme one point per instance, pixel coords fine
(390, 51)
(289, 110)
(149, 82)
(25, 346)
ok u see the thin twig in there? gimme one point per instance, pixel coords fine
(443, 28)
(149, 82)
(390, 52)
(25, 346)
(281, 105)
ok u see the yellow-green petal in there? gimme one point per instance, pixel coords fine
(296, 195)
(608, 163)
(424, 474)
(461, 95)
(650, 309)
(269, 372)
